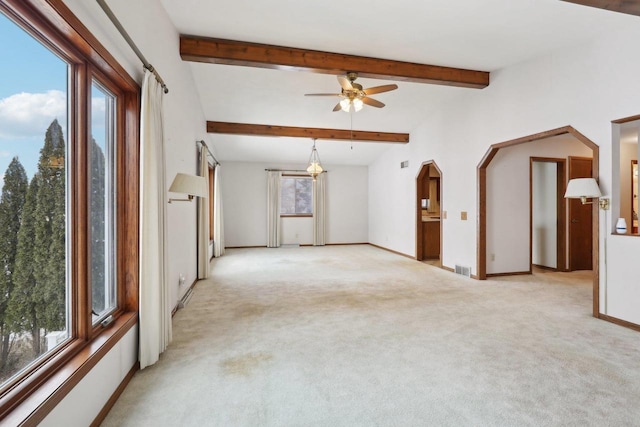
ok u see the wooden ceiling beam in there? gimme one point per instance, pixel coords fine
(298, 132)
(230, 52)
(630, 7)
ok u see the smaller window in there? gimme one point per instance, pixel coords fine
(296, 196)
(102, 202)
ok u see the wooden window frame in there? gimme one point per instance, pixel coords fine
(30, 396)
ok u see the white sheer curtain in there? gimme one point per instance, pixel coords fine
(218, 222)
(319, 208)
(203, 219)
(273, 209)
(155, 310)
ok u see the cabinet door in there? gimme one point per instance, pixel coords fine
(431, 239)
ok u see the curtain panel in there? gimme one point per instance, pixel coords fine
(319, 209)
(273, 209)
(155, 311)
(218, 220)
(203, 219)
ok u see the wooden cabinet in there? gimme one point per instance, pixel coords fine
(431, 239)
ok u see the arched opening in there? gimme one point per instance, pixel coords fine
(482, 201)
(429, 213)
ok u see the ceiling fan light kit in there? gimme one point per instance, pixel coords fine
(354, 95)
(347, 105)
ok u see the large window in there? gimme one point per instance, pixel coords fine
(296, 196)
(68, 204)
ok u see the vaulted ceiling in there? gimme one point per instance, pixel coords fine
(475, 35)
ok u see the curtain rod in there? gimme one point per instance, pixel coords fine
(130, 42)
(291, 170)
(204, 144)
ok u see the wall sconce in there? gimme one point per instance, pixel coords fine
(191, 185)
(586, 188)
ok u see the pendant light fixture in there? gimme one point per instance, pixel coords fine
(315, 168)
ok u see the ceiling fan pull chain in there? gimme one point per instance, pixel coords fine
(351, 114)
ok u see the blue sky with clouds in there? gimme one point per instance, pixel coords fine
(33, 87)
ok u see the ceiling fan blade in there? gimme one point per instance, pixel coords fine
(380, 89)
(338, 107)
(345, 83)
(322, 94)
(372, 102)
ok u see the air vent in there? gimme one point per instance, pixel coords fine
(185, 299)
(462, 270)
(404, 164)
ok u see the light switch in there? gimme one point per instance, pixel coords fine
(463, 216)
(444, 214)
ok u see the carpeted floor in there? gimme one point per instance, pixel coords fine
(356, 336)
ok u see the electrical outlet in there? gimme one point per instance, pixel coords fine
(444, 214)
(463, 216)
(493, 257)
(181, 280)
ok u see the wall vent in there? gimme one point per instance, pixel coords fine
(462, 270)
(185, 299)
(404, 164)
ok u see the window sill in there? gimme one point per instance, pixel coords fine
(296, 216)
(35, 407)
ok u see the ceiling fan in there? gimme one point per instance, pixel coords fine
(354, 96)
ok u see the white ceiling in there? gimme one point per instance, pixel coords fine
(484, 35)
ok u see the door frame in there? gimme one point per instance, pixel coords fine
(561, 217)
(481, 257)
(424, 169)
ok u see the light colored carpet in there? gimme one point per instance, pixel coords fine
(356, 336)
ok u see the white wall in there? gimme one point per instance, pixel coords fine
(623, 289)
(585, 87)
(544, 214)
(86, 400)
(508, 200)
(244, 193)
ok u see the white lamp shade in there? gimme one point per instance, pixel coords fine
(189, 184)
(582, 188)
(358, 104)
(314, 168)
(347, 104)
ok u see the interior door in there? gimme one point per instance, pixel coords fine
(548, 218)
(580, 220)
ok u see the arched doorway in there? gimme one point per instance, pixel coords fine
(482, 202)
(429, 213)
